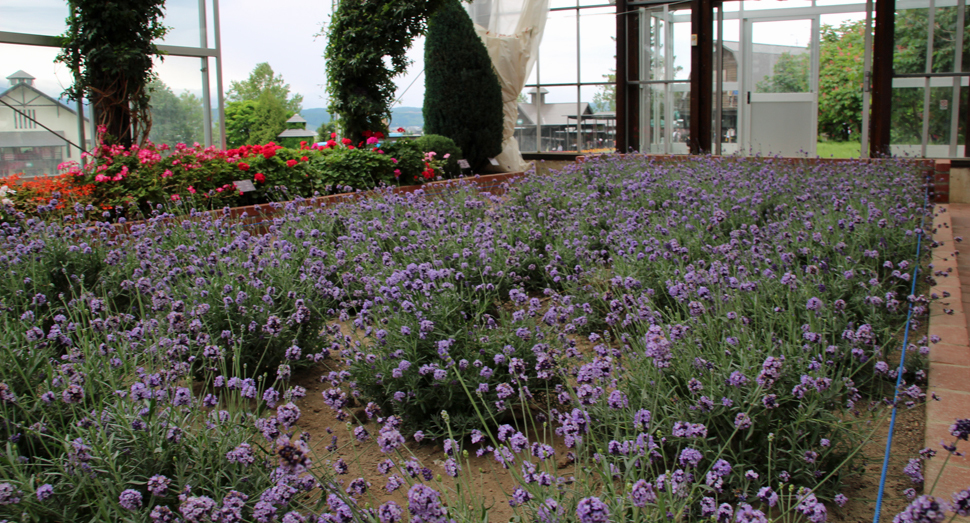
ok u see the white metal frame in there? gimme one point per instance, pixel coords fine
(203, 52)
(746, 87)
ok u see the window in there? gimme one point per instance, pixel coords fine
(23, 122)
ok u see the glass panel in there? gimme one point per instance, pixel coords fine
(681, 66)
(680, 130)
(40, 17)
(940, 112)
(907, 121)
(597, 54)
(653, 47)
(944, 37)
(557, 54)
(781, 56)
(599, 127)
(182, 19)
(557, 103)
(561, 3)
(177, 102)
(840, 83)
(33, 86)
(911, 40)
(653, 120)
(601, 98)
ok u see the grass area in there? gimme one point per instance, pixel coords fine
(838, 149)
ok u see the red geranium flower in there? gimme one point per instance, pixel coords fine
(244, 166)
(304, 159)
(367, 134)
(347, 141)
(291, 163)
(260, 177)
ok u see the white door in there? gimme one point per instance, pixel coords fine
(780, 86)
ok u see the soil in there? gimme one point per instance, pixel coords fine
(863, 490)
(493, 485)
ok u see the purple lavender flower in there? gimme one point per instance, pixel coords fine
(961, 429)
(914, 469)
(197, 509)
(130, 499)
(592, 510)
(163, 514)
(690, 457)
(424, 505)
(924, 509)
(961, 502)
(748, 514)
(9, 495)
(742, 421)
(642, 493)
(158, 485)
(342, 511)
(768, 496)
(520, 496)
(390, 512)
(243, 454)
(45, 491)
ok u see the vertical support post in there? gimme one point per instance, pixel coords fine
(206, 96)
(924, 139)
(880, 124)
(222, 101)
(957, 68)
(623, 113)
(866, 75)
(701, 69)
(579, 90)
(719, 60)
(966, 127)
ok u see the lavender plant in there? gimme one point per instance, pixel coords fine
(630, 340)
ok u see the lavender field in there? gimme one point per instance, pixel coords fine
(692, 341)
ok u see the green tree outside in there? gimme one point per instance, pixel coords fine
(175, 119)
(258, 107)
(240, 120)
(262, 79)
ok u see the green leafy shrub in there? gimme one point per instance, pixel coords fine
(410, 159)
(462, 98)
(442, 146)
(356, 168)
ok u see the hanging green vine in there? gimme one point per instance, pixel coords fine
(109, 46)
(367, 45)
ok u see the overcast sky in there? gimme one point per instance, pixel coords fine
(283, 33)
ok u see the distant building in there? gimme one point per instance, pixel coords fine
(25, 146)
(558, 124)
(296, 132)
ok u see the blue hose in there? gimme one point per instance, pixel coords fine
(899, 371)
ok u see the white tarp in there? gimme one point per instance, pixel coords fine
(511, 31)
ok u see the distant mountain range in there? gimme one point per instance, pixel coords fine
(400, 117)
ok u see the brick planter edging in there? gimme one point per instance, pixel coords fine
(949, 362)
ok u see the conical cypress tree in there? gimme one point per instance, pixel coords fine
(462, 96)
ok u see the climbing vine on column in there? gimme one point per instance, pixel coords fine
(367, 46)
(109, 46)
